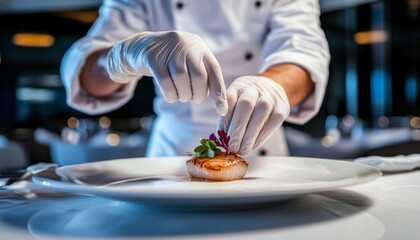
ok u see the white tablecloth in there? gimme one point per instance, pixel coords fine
(387, 208)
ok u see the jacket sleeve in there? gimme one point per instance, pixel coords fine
(295, 36)
(117, 20)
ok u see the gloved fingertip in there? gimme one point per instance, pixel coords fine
(170, 100)
(221, 125)
(222, 107)
(197, 100)
(222, 111)
(242, 153)
(244, 150)
(234, 148)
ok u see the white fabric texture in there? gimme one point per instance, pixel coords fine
(244, 39)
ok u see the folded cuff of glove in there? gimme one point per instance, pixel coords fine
(77, 98)
(120, 60)
(280, 91)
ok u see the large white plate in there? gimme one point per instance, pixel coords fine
(164, 182)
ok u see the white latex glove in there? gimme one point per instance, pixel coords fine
(257, 108)
(182, 65)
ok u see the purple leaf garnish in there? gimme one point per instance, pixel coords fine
(222, 141)
(214, 138)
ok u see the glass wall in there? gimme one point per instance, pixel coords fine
(375, 65)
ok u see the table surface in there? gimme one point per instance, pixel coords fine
(387, 208)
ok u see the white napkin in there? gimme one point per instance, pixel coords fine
(398, 163)
(25, 188)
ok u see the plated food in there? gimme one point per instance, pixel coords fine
(211, 164)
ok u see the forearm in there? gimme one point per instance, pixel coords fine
(295, 80)
(94, 78)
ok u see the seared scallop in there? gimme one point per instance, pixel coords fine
(222, 167)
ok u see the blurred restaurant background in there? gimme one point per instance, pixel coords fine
(372, 104)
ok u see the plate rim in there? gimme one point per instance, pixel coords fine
(100, 191)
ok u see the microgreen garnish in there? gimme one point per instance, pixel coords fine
(209, 147)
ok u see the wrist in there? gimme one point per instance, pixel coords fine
(295, 81)
(279, 89)
(94, 78)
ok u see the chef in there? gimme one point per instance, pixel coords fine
(240, 66)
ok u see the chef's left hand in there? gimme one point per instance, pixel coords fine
(257, 108)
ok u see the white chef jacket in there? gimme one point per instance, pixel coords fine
(246, 37)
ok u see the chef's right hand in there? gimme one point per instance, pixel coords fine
(182, 65)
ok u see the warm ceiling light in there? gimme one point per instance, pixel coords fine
(413, 4)
(33, 40)
(72, 122)
(86, 17)
(113, 139)
(415, 122)
(370, 37)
